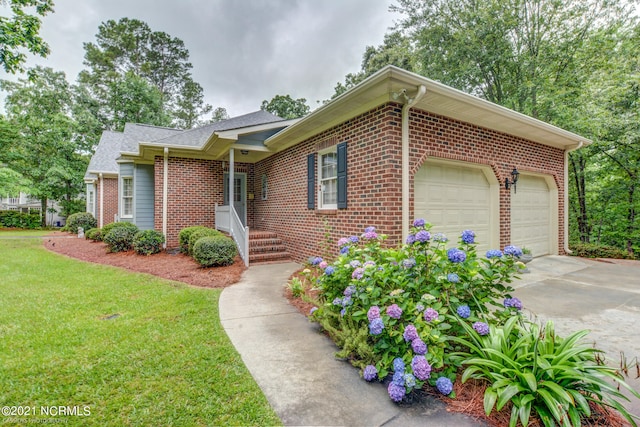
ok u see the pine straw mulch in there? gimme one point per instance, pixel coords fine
(168, 265)
(469, 398)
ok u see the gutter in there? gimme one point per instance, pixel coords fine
(165, 191)
(409, 102)
(566, 194)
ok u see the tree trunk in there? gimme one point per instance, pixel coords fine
(578, 163)
(43, 212)
(631, 216)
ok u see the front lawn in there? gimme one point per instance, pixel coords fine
(116, 348)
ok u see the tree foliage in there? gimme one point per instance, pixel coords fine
(21, 31)
(286, 107)
(139, 75)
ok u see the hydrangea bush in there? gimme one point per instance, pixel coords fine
(392, 310)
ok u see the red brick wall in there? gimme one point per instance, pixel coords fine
(194, 187)
(374, 175)
(110, 206)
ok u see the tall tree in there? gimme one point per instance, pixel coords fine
(286, 107)
(46, 151)
(21, 31)
(128, 53)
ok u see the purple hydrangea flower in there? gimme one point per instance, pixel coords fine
(349, 290)
(373, 313)
(440, 237)
(315, 261)
(396, 392)
(355, 263)
(418, 222)
(323, 264)
(512, 250)
(423, 236)
(418, 346)
(456, 255)
(481, 328)
(376, 326)
(420, 307)
(464, 311)
(398, 364)
(394, 311)
(343, 312)
(430, 314)
(347, 301)
(354, 239)
(453, 278)
(370, 373)
(494, 253)
(343, 241)
(370, 235)
(410, 333)
(344, 250)
(370, 229)
(409, 263)
(421, 368)
(444, 385)
(357, 273)
(468, 236)
(411, 239)
(513, 302)
(409, 380)
(329, 270)
(337, 301)
(313, 310)
(398, 378)
(369, 264)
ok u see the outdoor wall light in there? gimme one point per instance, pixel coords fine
(244, 152)
(514, 180)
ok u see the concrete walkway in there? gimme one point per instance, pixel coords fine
(295, 366)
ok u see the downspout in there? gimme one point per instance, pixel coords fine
(165, 190)
(566, 195)
(409, 102)
(101, 181)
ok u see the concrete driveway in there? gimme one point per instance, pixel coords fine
(602, 297)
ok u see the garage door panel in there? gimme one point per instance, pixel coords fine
(531, 215)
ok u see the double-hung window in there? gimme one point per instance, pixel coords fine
(127, 197)
(328, 179)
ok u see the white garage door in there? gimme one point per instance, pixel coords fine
(454, 198)
(531, 215)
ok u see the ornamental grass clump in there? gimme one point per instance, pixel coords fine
(385, 305)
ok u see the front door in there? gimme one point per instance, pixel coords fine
(239, 194)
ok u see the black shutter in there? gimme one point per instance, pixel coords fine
(342, 175)
(311, 181)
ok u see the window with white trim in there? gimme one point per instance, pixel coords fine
(127, 197)
(90, 202)
(264, 187)
(328, 178)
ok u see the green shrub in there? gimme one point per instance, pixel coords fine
(214, 251)
(198, 234)
(94, 234)
(120, 238)
(185, 235)
(107, 228)
(590, 250)
(148, 242)
(80, 219)
(15, 219)
(535, 370)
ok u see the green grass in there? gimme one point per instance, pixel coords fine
(164, 361)
(8, 232)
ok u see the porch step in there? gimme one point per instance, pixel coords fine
(265, 246)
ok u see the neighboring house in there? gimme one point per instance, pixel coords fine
(396, 147)
(27, 204)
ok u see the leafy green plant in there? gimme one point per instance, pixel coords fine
(590, 250)
(214, 251)
(296, 286)
(15, 219)
(185, 234)
(80, 219)
(148, 242)
(120, 238)
(537, 371)
(94, 234)
(198, 234)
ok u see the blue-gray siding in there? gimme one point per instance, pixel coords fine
(126, 171)
(143, 197)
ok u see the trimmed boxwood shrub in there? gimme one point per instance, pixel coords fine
(198, 234)
(185, 235)
(120, 238)
(590, 250)
(15, 219)
(148, 242)
(215, 251)
(80, 219)
(94, 234)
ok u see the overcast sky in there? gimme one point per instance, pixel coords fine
(242, 51)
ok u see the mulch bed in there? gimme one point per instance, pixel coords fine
(167, 265)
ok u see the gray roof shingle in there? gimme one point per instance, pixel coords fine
(107, 151)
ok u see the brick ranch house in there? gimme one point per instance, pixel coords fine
(396, 147)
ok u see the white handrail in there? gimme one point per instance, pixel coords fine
(227, 220)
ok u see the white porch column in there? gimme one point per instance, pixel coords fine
(165, 195)
(101, 181)
(231, 187)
